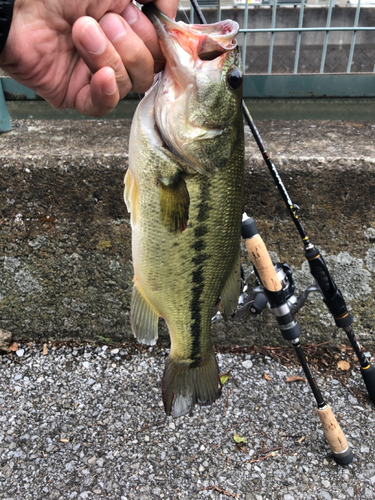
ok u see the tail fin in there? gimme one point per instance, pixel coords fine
(185, 384)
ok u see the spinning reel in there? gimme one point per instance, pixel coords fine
(257, 300)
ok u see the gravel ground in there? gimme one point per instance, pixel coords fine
(88, 423)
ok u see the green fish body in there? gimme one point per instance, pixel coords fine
(184, 189)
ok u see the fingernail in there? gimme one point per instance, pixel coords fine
(92, 38)
(113, 27)
(131, 14)
(110, 85)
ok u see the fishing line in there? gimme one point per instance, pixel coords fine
(183, 10)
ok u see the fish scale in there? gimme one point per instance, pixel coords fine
(186, 201)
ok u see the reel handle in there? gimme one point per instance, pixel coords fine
(265, 269)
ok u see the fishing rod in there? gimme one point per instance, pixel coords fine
(273, 294)
(332, 296)
(291, 331)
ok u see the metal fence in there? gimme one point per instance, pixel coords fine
(300, 30)
(301, 48)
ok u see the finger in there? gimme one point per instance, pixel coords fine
(94, 95)
(98, 52)
(99, 97)
(135, 56)
(146, 32)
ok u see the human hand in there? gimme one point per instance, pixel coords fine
(83, 55)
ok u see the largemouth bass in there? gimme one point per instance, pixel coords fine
(184, 189)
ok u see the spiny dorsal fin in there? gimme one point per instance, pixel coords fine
(144, 318)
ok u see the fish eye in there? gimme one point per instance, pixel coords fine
(235, 78)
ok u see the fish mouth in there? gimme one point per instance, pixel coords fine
(195, 56)
(182, 44)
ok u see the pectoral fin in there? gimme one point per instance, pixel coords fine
(130, 196)
(144, 318)
(231, 290)
(174, 203)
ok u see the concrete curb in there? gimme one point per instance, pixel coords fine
(65, 252)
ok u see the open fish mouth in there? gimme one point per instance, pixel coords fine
(203, 41)
(189, 46)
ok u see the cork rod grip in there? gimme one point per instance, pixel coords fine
(262, 262)
(332, 430)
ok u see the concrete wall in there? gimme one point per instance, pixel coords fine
(65, 247)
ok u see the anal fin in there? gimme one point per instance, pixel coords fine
(144, 318)
(174, 203)
(231, 290)
(185, 384)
